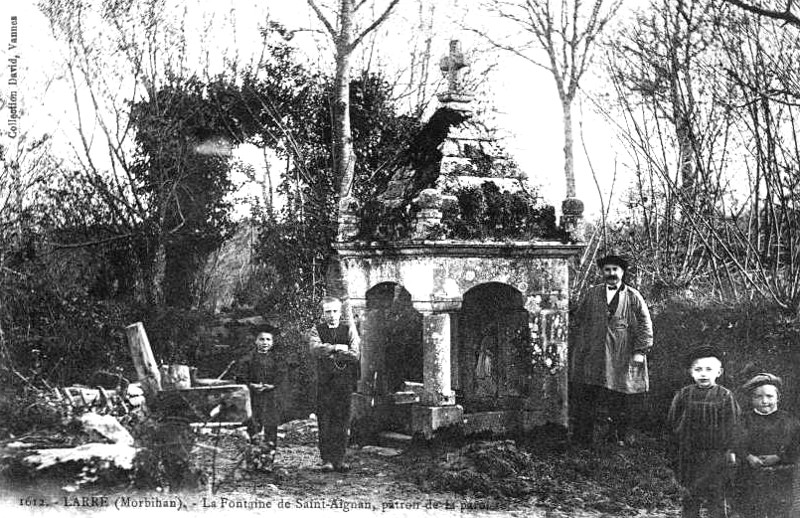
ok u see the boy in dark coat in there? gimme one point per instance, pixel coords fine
(703, 418)
(259, 370)
(335, 347)
(768, 446)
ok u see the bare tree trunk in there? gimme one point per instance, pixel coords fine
(159, 273)
(682, 103)
(569, 160)
(267, 190)
(346, 42)
(344, 162)
(566, 31)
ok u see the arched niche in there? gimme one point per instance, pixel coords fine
(395, 338)
(493, 332)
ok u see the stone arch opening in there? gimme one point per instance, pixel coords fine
(493, 331)
(396, 337)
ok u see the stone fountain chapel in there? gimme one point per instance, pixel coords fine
(459, 334)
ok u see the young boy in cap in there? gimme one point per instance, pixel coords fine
(703, 418)
(768, 446)
(261, 371)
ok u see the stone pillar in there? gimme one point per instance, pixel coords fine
(436, 360)
(455, 378)
(428, 215)
(371, 349)
(348, 219)
(572, 219)
(365, 420)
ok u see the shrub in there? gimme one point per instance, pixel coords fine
(483, 212)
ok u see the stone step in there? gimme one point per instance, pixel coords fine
(413, 386)
(496, 422)
(404, 398)
(394, 440)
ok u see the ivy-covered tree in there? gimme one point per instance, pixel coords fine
(181, 174)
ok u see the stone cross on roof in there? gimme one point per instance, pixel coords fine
(451, 65)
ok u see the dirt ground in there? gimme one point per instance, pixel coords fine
(491, 477)
(397, 481)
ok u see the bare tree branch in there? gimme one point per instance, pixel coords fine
(322, 18)
(509, 48)
(565, 31)
(786, 14)
(374, 24)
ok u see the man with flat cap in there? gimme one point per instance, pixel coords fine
(609, 356)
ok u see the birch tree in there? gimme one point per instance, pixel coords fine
(346, 39)
(559, 36)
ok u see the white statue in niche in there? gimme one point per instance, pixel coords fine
(485, 384)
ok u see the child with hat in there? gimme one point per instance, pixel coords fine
(703, 418)
(768, 446)
(262, 371)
